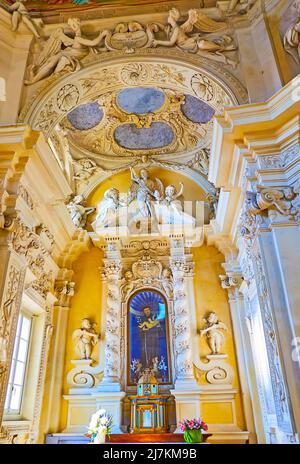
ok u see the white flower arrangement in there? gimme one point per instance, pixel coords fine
(101, 422)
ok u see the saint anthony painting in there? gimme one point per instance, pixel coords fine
(148, 336)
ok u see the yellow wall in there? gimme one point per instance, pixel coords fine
(210, 296)
(85, 303)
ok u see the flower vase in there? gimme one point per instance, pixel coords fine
(193, 436)
(100, 437)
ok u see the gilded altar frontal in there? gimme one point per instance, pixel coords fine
(149, 222)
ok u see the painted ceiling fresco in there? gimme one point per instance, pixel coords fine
(142, 121)
(75, 5)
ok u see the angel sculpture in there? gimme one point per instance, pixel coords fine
(210, 46)
(144, 190)
(85, 339)
(214, 336)
(62, 52)
(84, 169)
(167, 282)
(78, 211)
(169, 209)
(127, 285)
(19, 14)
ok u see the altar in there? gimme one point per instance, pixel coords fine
(147, 368)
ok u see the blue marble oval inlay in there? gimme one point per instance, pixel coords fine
(196, 110)
(140, 100)
(157, 136)
(86, 116)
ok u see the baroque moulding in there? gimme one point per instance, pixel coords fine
(146, 272)
(283, 201)
(84, 375)
(186, 134)
(280, 160)
(137, 73)
(131, 36)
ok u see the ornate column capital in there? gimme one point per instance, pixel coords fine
(182, 267)
(111, 269)
(275, 203)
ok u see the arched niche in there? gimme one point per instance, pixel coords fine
(48, 103)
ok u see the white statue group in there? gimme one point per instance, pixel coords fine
(147, 201)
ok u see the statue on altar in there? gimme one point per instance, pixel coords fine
(143, 190)
(109, 210)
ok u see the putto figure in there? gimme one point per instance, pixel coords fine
(19, 14)
(196, 43)
(85, 339)
(63, 52)
(212, 330)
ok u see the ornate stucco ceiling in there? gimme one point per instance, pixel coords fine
(133, 120)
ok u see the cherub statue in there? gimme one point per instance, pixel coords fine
(197, 43)
(171, 195)
(167, 282)
(85, 339)
(78, 212)
(63, 52)
(212, 330)
(19, 14)
(127, 285)
(169, 209)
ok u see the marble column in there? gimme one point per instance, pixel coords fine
(279, 263)
(186, 389)
(232, 284)
(108, 393)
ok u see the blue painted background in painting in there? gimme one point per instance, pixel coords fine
(148, 336)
